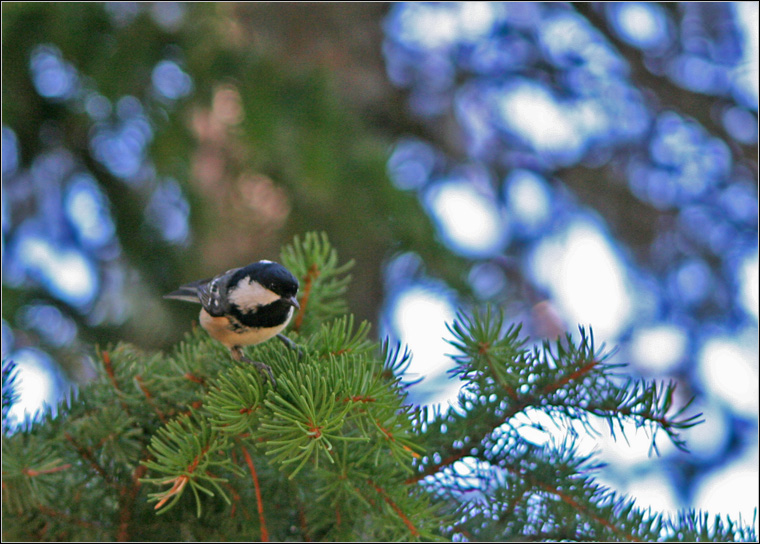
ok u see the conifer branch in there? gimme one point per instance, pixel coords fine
(491, 355)
(127, 504)
(308, 283)
(10, 393)
(108, 366)
(304, 525)
(88, 457)
(56, 514)
(149, 398)
(380, 491)
(335, 452)
(38, 472)
(583, 509)
(324, 281)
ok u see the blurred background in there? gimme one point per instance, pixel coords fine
(572, 163)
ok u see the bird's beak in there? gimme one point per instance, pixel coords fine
(292, 301)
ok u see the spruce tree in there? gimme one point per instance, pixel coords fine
(192, 445)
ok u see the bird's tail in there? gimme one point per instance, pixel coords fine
(188, 292)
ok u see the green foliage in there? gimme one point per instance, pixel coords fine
(234, 400)
(182, 452)
(23, 488)
(334, 452)
(503, 486)
(10, 393)
(323, 282)
(567, 379)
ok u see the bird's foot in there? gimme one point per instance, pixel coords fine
(266, 370)
(290, 344)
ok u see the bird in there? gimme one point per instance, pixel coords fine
(245, 306)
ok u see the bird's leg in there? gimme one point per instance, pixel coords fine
(266, 371)
(289, 343)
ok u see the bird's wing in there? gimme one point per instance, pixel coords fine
(209, 293)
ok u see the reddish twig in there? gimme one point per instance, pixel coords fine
(255, 477)
(180, 481)
(179, 484)
(385, 431)
(57, 514)
(520, 403)
(564, 380)
(432, 469)
(86, 454)
(193, 378)
(149, 398)
(235, 501)
(302, 522)
(583, 510)
(32, 472)
(395, 507)
(314, 430)
(127, 502)
(195, 405)
(308, 282)
(112, 376)
(390, 437)
(483, 351)
(358, 398)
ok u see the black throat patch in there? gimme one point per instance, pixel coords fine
(270, 315)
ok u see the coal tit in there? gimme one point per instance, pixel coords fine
(245, 306)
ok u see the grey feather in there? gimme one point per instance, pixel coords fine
(210, 293)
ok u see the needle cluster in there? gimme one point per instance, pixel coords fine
(192, 445)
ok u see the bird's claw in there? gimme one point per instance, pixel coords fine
(290, 344)
(266, 370)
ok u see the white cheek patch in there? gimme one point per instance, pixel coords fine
(249, 296)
